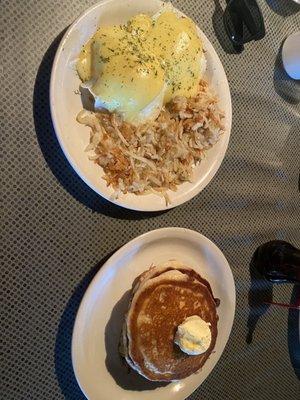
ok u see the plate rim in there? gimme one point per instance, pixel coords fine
(105, 267)
(149, 207)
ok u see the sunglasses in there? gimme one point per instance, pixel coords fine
(243, 22)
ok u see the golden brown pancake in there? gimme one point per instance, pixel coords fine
(162, 299)
(152, 272)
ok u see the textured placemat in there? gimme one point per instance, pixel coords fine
(55, 232)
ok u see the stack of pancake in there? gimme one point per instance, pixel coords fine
(162, 298)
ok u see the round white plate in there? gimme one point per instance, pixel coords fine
(97, 365)
(65, 105)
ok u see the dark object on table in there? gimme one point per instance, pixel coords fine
(243, 22)
(278, 261)
(294, 332)
(259, 296)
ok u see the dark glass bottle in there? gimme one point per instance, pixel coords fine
(278, 261)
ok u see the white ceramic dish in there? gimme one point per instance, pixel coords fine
(65, 105)
(98, 324)
(291, 55)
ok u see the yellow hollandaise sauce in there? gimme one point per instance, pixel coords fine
(143, 64)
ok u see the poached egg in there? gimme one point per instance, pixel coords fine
(135, 69)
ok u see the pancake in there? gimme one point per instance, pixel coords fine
(162, 298)
(152, 272)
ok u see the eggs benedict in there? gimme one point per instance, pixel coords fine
(135, 69)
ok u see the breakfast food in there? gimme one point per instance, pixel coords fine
(154, 115)
(133, 69)
(170, 329)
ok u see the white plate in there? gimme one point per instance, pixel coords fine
(65, 105)
(97, 328)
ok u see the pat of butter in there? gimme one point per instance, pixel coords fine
(193, 336)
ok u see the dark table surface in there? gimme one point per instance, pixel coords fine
(56, 233)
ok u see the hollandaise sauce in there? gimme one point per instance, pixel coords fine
(144, 63)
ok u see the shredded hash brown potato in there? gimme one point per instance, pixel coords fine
(157, 156)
